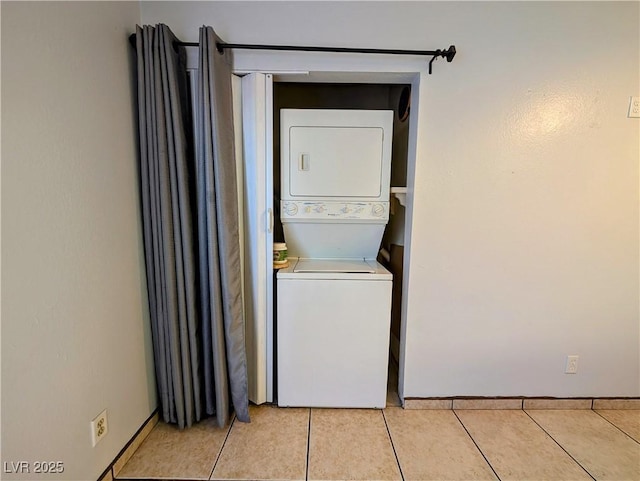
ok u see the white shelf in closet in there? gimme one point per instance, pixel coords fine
(400, 193)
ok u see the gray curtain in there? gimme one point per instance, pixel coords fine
(182, 329)
(225, 362)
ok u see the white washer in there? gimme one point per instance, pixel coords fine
(334, 300)
(333, 334)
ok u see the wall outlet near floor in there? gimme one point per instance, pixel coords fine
(572, 365)
(99, 428)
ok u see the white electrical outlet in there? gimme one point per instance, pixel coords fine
(572, 365)
(99, 428)
(634, 107)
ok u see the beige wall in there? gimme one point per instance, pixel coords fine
(525, 231)
(75, 336)
(524, 244)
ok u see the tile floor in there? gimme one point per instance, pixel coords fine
(397, 444)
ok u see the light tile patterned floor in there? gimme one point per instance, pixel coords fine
(350, 444)
(601, 448)
(272, 446)
(169, 453)
(396, 443)
(516, 448)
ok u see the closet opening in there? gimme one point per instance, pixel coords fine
(358, 96)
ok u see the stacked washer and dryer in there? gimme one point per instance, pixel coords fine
(334, 299)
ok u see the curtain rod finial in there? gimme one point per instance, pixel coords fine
(450, 53)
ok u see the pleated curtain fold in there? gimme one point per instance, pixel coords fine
(220, 266)
(190, 232)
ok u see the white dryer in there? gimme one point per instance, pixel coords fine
(334, 300)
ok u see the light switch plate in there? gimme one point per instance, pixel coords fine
(634, 108)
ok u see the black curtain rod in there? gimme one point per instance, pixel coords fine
(434, 54)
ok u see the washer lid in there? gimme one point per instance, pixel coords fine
(334, 265)
(380, 274)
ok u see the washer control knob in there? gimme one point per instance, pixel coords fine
(378, 210)
(319, 208)
(291, 209)
(345, 209)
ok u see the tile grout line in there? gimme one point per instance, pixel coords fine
(222, 447)
(615, 426)
(560, 445)
(306, 474)
(474, 442)
(393, 446)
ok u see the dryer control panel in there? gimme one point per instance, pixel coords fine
(301, 211)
